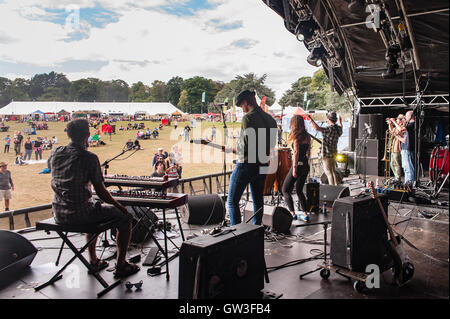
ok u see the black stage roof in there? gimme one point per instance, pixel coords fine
(356, 54)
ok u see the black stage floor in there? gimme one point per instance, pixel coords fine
(428, 234)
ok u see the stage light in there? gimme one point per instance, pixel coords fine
(392, 53)
(341, 158)
(305, 29)
(314, 58)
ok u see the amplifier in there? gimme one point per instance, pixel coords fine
(230, 265)
(359, 233)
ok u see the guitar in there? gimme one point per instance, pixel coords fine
(205, 141)
(403, 269)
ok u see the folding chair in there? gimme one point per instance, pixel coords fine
(50, 224)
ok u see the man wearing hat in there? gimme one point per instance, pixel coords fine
(330, 139)
(160, 156)
(6, 184)
(257, 140)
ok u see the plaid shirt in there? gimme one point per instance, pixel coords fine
(73, 169)
(330, 139)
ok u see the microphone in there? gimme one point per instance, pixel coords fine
(368, 128)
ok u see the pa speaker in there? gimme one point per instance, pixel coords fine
(203, 210)
(359, 233)
(227, 266)
(16, 253)
(278, 218)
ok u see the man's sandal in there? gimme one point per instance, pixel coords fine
(126, 270)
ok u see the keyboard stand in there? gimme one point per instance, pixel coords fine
(165, 250)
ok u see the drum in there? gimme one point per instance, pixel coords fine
(275, 181)
(439, 164)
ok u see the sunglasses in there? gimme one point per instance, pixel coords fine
(129, 285)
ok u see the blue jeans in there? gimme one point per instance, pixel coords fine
(408, 166)
(242, 175)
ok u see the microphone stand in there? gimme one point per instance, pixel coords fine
(105, 242)
(105, 164)
(225, 133)
(363, 143)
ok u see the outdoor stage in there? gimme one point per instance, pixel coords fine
(428, 232)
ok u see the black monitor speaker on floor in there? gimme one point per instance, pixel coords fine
(16, 254)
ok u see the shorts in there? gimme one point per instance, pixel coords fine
(98, 214)
(5, 194)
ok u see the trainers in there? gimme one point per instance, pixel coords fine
(303, 217)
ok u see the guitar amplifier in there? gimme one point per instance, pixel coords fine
(359, 233)
(230, 265)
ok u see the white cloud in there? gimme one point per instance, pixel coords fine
(166, 45)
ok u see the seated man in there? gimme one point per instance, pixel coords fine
(74, 170)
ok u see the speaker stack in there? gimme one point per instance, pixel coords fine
(370, 162)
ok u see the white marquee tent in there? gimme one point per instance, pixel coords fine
(25, 108)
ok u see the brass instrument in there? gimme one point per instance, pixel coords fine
(387, 152)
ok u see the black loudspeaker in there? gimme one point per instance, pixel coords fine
(352, 136)
(278, 218)
(327, 193)
(144, 222)
(375, 121)
(359, 233)
(368, 158)
(227, 266)
(203, 210)
(16, 253)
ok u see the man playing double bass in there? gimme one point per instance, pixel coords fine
(257, 139)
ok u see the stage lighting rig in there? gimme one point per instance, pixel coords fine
(305, 29)
(317, 53)
(392, 55)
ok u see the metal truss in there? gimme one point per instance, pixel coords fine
(435, 100)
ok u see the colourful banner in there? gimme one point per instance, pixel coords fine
(263, 104)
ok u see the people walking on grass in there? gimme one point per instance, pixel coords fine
(7, 144)
(6, 185)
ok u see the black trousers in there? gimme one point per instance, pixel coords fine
(299, 182)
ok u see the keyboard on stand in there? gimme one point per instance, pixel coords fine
(147, 198)
(157, 183)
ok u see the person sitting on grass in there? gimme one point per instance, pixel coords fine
(19, 160)
(74, 170)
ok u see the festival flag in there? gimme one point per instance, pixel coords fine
(302, 113)
(263, 103)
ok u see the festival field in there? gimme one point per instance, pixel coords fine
(32, 188)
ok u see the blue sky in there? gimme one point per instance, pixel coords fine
(149, 40)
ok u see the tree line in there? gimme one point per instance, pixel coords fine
(187, 94)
